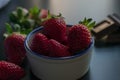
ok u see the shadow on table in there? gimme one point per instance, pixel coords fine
(33, 77)
(85, 77)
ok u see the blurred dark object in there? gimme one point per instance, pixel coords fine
(107, 31)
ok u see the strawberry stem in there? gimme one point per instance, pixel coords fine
(49, 16)
(88, 23)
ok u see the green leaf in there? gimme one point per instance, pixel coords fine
(17, 27)
(26, 31)
(88, 23)
(26, 16)
(83, 22)
(49, 16)
(19, 12)
(56, 16)
(28, 23)
(13, 17)
(89, 20)
(34, 11)
(8, 28)
(91, 25)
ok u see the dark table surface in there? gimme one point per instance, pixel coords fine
(105, 64)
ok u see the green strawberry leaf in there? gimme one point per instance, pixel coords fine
(28, 23)
(13, 17)
(89, 20)
(8, 28)
(35, 11)
(26, 16)
(26, 31)
(90, 26)
(19, 12)
(49, 16)
(88, 23)
(56, 16)
(16, 27)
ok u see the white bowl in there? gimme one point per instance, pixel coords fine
(63, 68)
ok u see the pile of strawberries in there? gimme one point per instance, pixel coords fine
(22, 21)
(56, 39)
(59, 40)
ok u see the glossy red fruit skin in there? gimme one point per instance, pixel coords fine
(57, 49)
(10, 71)
(39, 44)
(79, 38)
(14, 48)
(55, 28)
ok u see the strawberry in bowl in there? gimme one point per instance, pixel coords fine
(57, 51)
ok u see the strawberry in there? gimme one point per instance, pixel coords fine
(57, 49)
(10, 71)
(79, 36)
(39, 44)
(43, 13)
(55, 28)
(14, 48)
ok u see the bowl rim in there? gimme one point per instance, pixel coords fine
(29, 51)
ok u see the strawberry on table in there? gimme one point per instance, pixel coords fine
(57, 49)
(14, 45)
(10, 71)
(79, 36)
(14, 48)
(39, 44)
(55, 27)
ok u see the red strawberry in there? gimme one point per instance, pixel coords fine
(43, 13)
(55, 28)
(39, 44)
(57, 49)
(79, 38)
(10, 71)
(14, 48)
